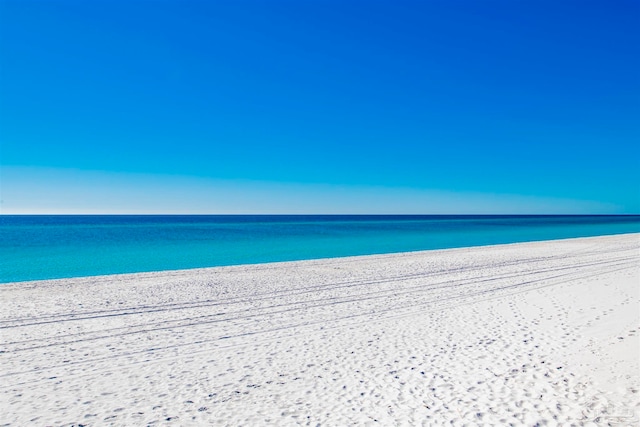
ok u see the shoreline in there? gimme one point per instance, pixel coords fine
(535, 332)
(173, 272)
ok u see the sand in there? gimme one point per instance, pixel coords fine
(533, 333)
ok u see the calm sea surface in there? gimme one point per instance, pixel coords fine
(47, 247)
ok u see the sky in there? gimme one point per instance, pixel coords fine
(256, 106)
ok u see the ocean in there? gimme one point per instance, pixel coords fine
(34, 247)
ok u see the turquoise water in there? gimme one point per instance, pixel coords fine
(47, 247)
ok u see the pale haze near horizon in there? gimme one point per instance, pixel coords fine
(32, 191)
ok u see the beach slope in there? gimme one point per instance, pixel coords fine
(541, 332)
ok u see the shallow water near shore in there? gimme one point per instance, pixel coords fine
(62, 246)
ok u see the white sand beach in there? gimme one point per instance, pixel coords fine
(542, 333)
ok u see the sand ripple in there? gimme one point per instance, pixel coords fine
(541, 333)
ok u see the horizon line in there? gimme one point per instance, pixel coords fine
(317, 214)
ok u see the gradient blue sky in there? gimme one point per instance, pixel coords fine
(319, 106)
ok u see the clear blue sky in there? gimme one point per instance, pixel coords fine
(320, 106)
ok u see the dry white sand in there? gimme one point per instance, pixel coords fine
(543, 332)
